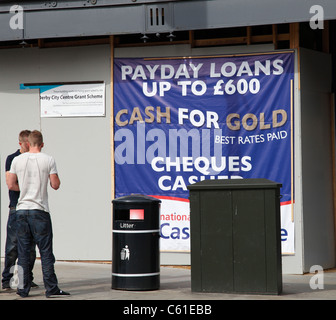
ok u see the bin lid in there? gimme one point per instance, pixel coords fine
(136, 198)
(234, 184)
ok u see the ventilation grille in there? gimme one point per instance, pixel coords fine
(158, 18)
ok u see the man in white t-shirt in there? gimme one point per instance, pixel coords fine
(30, 174)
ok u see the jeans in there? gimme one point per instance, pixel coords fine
(11, 251)
(35, 226)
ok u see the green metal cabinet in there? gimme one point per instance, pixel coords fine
(235, 236)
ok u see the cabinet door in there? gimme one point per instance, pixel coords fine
(216, 241)
(249, 245)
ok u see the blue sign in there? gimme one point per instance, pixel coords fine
(180, 121)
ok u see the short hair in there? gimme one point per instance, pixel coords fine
(23, 134)
(35, 138)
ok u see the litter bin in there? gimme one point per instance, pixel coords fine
(136, 243)
(235, 236)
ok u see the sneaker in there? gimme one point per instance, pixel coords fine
(22, 295)
(57, 293)
(8, 290)
(6, 286)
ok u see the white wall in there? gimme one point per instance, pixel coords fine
(317, 166)
(81, 208)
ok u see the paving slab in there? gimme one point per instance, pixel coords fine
(92, 281)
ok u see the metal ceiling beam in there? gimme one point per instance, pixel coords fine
(54, 19)
(29, 5)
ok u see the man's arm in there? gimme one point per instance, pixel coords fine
(54, 181)
(12, 182)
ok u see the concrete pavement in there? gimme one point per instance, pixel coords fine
(92, 281)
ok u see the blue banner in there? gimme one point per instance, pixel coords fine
(180, 121)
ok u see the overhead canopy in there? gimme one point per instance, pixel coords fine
(76, 18)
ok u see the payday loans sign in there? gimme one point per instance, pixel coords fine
(183, 120)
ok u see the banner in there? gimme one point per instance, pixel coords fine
(179, 121)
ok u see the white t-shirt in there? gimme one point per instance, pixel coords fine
(33, 170)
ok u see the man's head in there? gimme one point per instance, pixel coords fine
(23, 140)
(35, 139)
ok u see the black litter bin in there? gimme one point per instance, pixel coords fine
(136, 243)
(235, 236)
